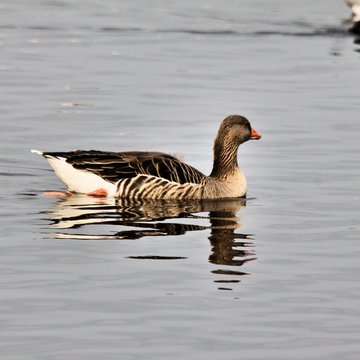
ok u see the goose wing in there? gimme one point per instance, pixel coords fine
(114, 166)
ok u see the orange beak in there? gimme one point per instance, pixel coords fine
(255, 135)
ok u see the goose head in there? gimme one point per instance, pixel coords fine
(235, 130)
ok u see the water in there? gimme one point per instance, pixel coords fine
(275, 277)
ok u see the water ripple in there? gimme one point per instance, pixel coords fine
(86, 218)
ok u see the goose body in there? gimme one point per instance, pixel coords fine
(156, 175)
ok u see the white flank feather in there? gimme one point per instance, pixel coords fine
(80, 181)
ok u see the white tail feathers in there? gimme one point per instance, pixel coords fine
(37, 152)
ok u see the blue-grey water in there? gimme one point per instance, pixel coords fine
(275, 277)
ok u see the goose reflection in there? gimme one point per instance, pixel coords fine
(135, 219)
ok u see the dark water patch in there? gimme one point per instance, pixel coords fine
(230, 272)
(200, 31)
(119, 29)
(28, 194)
(44, 28)
(327, 32)
(304, 31)
(8, 27)
(157, 257)
(310, 32)
(17, 174)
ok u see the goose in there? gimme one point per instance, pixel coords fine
(157, 175)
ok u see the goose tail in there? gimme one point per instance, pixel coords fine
(37, 152)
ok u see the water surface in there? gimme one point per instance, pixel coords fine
(275, 276)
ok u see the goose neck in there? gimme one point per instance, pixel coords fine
(225, 160)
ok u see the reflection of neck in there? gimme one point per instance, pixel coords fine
(225, 158)
(224, 240)
(223, 223)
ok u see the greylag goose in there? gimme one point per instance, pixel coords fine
(156, 175)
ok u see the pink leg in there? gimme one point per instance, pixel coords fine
(99, 193)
